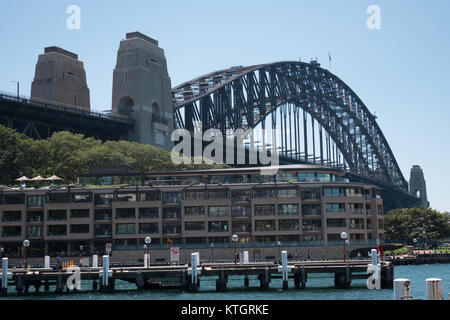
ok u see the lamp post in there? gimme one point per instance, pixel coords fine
(235, 238)
(147, 240)
(212, 251)
(344, 237)
(81, 250)
(2, 250)
(26, 244)
(279, 249)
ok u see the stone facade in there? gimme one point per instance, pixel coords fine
(60, 78)
(417, 185)
(142, 90)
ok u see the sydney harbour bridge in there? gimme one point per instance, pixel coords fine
(318, 119)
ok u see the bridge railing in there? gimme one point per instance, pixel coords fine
(52, 105)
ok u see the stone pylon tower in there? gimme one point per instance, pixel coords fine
(417, 186)
(60, 78)
(142, 89)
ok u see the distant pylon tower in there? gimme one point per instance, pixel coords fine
(142, 90)
(417, 185)
(60, 78)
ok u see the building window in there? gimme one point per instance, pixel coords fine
(356, 208)
(35, 201)
(288, 225)
(58, 198)
(125, 228)
(218, 211)
(34, 231)
(287, 193)
(194, 226)
(240, 211)
(241, 226)
(148, 213)
(218, 194)
(218, 226)
(150, 196)
(380, 224)
(311, 209)
(334, 192)
(125, 213)
(263, 193)
(357, 224)
(171, 213)
(57, 230)
(12, 231)
(265, 225)
(354, 192)
(79, 228)
(79, 213)
(11, 216)
(194, 211)
(312, 225)
(287, 209)
(288, 238)
(14, 199)
(171, 228)
(240, 195)
(103, 199)
(335, 207)
(195, 195)
(35, 216)
(57, 215)
(103, 214)
(171, 197)
(82, 197)
(265, 210)
(126, 196)
(336, 223)
(148, 228)
(103, 230)
(310, 194)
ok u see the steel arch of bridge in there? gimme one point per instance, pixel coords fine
(244, 97)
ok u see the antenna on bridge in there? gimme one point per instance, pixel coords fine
(329, 61)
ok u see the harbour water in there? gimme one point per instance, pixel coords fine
(318, 287)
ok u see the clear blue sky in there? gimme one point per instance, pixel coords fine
(401, 72)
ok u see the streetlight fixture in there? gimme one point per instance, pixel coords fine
(2, 250)
(212, 251)
(81, 250)
(26, 244)
(235, 238)
(147, 240)
(344, 237)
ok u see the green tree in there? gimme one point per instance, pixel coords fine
(409, 224)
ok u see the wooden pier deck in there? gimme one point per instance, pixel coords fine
(180, 277)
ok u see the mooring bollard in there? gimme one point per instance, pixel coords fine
(5, 276)
(146, 260)
(95, 261)
(193, 271)
(284, 269)
(105, 273)
(47, 262)
(434, 289)
(245, 256)
(402, 289)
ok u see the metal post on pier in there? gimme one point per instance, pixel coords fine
(193, 271)
(402, 289)
(245, 256)
(374, 271)
(95, 261)
(5, 276)
(105, 273)
(47, 262)
(434, 289)
(284, 269)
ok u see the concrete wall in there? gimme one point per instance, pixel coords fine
(142, 89)
(60, 78)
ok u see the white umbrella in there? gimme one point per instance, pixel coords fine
(23, 179)
(54, 178)
(38, 178)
